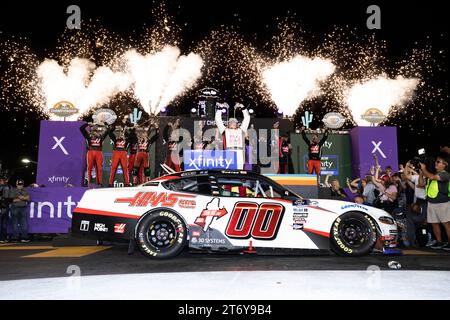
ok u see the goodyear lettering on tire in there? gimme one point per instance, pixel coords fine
(338, 240)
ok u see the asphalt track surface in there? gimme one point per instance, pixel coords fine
(40, 260)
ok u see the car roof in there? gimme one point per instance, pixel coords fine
(189, 173)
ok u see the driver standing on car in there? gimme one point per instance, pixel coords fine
(233, 136)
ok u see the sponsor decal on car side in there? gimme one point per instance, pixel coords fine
(354, 205)
(154, 199)
(100, 227)
(210, 214)
(84, 225)
(119, 227)
(297, 226)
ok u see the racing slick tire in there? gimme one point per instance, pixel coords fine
(161, 234)
(353, 234)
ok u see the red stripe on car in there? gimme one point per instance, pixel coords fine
(321, 233)
(105, 213)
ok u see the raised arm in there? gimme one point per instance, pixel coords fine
(349, 185)
(112, 136)
(326, 183)
(219, 122)
(377, 164)
(354, 183)
(84, 131)
(324, 138)
(108, 129)
(304, 136)
(246, 121)
(153, 135)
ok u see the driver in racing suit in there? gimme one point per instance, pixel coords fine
(94, 140)
(233, 137)
(119, 154)
(145, 137)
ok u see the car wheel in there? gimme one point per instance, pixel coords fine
(353, 234)
(161, 234)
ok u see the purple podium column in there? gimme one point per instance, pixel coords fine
(62, 154)
(367, 141)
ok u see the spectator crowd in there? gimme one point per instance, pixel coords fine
(417, 196)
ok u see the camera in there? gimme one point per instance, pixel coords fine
(422, 157)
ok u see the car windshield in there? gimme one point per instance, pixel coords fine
(252, 187)
(196, 184)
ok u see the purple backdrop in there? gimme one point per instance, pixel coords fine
(50, 209)
(62, 152)
(367, 141)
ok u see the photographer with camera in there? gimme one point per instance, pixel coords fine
(438, 197)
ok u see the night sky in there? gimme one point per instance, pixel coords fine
(405, 25)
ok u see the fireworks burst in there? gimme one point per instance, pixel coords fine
(77, 85)
(158, 78)
(18, 64)
(343, 62)
(381, 93)
(232, 65)
(291, 82)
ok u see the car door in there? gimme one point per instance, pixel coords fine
(252, 214)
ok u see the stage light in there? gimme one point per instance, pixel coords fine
(279, 113)
(193, 112)
(224, 110)
(26, 160)
(163, 111)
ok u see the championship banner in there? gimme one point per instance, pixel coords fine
(370, 141)
(210, 159)
(62, 154)
(50, 209)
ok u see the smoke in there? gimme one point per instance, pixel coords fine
(160, 77)
(381, 93)
(291, 82)
(83, 84)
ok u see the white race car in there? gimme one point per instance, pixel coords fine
(222, 211)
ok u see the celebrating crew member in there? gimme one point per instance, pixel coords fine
(286, 165)
(145, 136)
(172, 136)
(94, 140)
(132, 143)
(233, 136)
(119, 154)
(314, 150)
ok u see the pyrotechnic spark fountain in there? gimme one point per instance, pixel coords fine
(77, 86)
(158, 78)
(381, 93)
(228, 62)
(291, 82)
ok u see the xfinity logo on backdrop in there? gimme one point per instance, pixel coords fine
(377, 148)
(201, 162)
(57, 207)
(59, 144)
(328, 144)
(54, 179)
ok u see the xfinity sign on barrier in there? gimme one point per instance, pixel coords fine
(209, 159)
